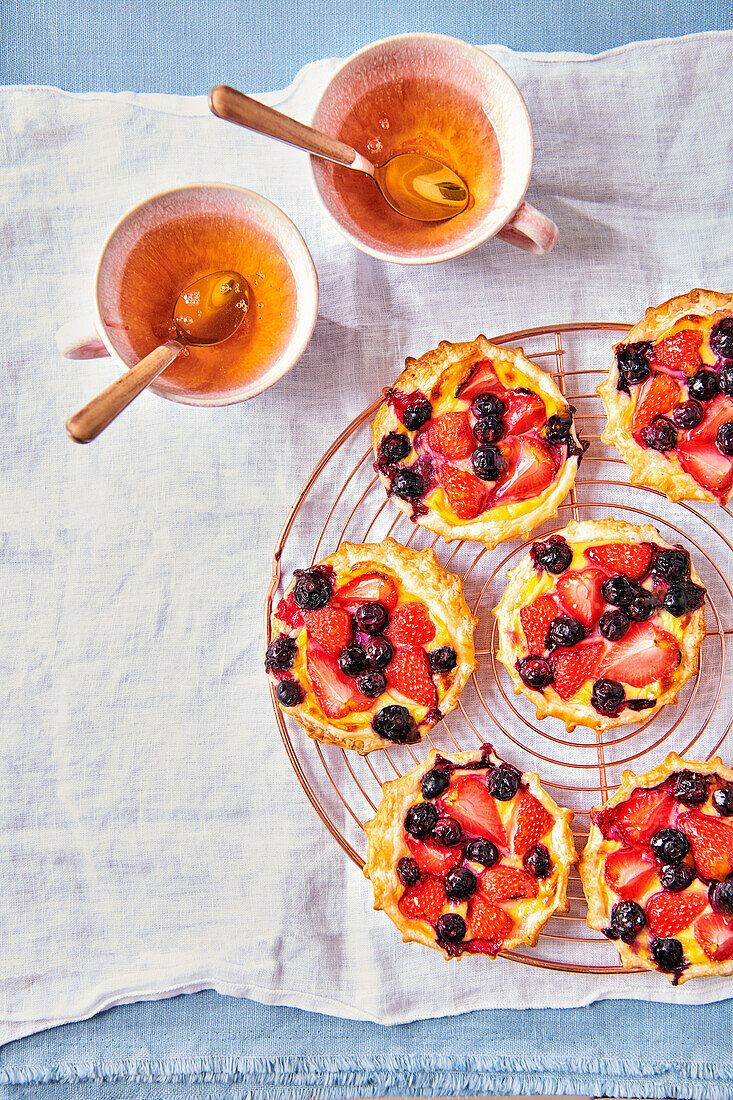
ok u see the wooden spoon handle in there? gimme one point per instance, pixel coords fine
(236, 107)
(85, 425)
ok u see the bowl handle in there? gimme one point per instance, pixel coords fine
(80, 340)
(530, 230)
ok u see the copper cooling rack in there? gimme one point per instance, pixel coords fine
(344, 500)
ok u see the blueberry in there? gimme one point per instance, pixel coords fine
(393, 448)
(482, 851)
(421, 820)
(408, 871)
(671, 565)
(618, 590)
(487, 462)
(723, 800)
(451, 928)
(724, 438)
(627, 919)
(554, 555)
(720, 896)
(689, 415)
(443, 660)
(395, 723)
(641, 704)
(564, 631)
(679, 599)
(489, 430)
(312, 590)
(675, 877)
(379, 652)
(613, 625)
(703, 385)
(537, 861)
(557, 429)
(281, 653)
(535, 672)
(608, 697)
(721, 338)
(643, 606)
(660, 435)
(504, 782)
(371, 617)
(407, 483)
(352, 660)
(486, 404)
(725, 379)
(460, 882)
(416, 414)
(372, 683)
(633, 363)
(668, 954)
(690, 788)
(434, 782)
(448, 832)
(289, 693)
(669, 845)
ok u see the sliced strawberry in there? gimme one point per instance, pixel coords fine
(503, 883)
(657, 395)
(680, 352)
(411, 624)
(631, 559)
(409, 673)
(698, 454)
(642, 815)
(481, 379)
(580, 594)
(432, 858)
(336, 693)
(450, 434)
(667, 914)
(524, 411)
(289, 612)
(530, 470)
(465, 493)
(531, 822)
(629, 872)
(536, 618)
(424, 900)
(715, 937)
(711, 840)
(469, 802)
(572, 667)
(643, 655)
(330, 627)
(487, 923)
(369, 588)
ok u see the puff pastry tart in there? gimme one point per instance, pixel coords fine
(669, 398)
(467, 855)
(371, 646)
(476, 442)
(601, 624)
(657, 870)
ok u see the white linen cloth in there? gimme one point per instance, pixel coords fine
(153, 837)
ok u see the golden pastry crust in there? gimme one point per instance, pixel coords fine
(593, 860)
(430, 373)
(511, 644)
(419, 575)
(649, 467)
(385, 833)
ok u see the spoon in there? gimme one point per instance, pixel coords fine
(207, 312)
(418, 187)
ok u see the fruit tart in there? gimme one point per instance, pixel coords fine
(475, 442)
(466, 854)
(669, 398)
(657, 870)
(372, 646)
(601, 624)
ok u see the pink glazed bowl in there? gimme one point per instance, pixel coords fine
(436, 95)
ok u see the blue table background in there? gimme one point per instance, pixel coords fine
(214, 1046)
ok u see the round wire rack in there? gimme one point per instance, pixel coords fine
(580, 769)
